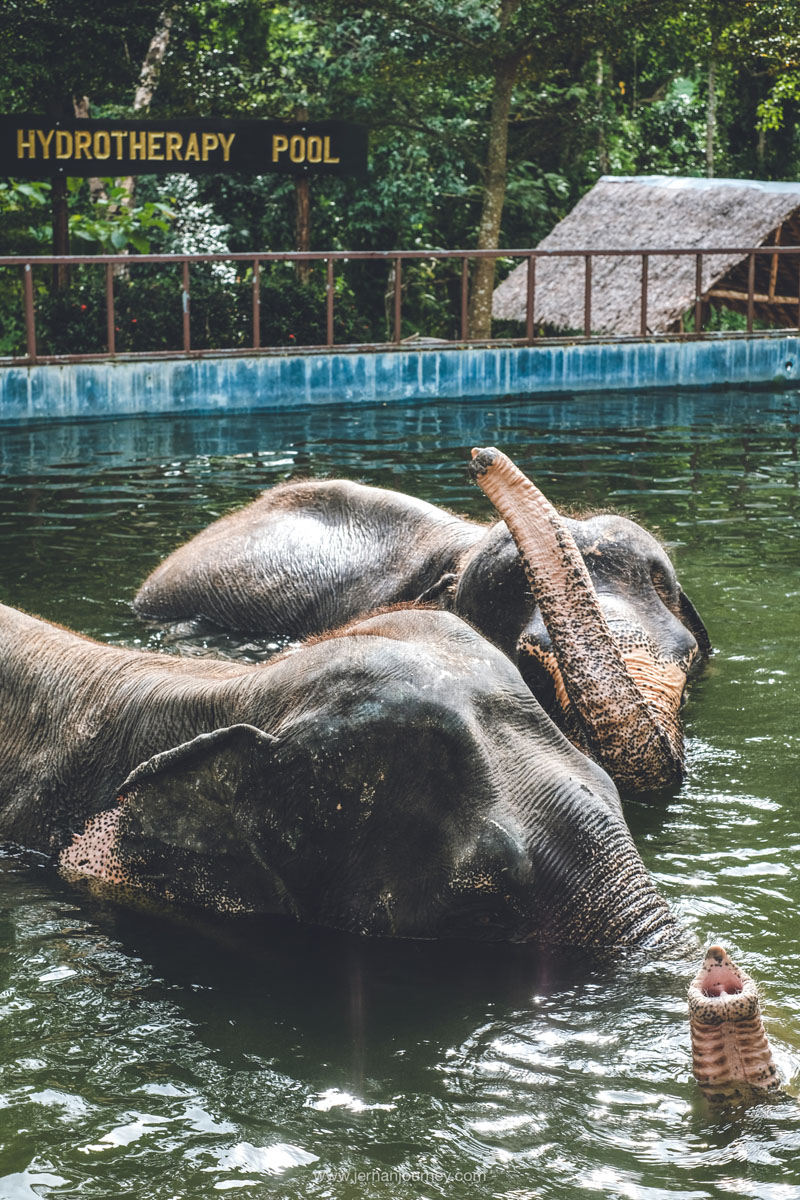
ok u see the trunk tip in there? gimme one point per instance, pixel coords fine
(721, 991)
(716, 954)
(482, 459)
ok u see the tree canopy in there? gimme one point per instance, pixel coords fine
(487, 120)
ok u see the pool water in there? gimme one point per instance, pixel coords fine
(159, 1054)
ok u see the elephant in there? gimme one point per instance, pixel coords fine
(600, 630)
(289, 788)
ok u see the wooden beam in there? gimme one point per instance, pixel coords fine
(773, 270)
(723, 294)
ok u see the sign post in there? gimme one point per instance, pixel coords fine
(36, 147)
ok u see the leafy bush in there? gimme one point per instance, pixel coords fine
(149, 315)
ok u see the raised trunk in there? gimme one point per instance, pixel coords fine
(731, 1057)
(625, 730)
(494, 186)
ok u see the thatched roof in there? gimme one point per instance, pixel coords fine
(656, 212)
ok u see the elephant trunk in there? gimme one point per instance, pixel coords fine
(731, 1057)
(636, 740)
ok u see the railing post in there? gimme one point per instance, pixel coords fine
(698, 293)
(329, 302)
(398, 299)
(645, 270)
(587, 298)
(464, 298)
(530, 296)
(30, 316)
(111, 333)
(751, 279)
(256, 304)
(187, 336)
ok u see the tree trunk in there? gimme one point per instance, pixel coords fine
(96, 188)
(602, 149)
(151, 67)
(711, 115)
(148, 80)
(494, 191)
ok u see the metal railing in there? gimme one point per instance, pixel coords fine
(118, 263)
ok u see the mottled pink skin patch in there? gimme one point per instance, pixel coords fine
(730, 1051)
(94, 852)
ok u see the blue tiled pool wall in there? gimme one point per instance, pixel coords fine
(224, 384)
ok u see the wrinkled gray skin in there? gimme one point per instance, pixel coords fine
(289, 788)
(307, 557)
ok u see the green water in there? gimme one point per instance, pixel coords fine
(158, 1056)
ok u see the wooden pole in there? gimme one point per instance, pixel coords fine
(111, 338)
(187, 328)
(587, 296)
(30, 315)
(530, 297)
(60, 229)
(256, 304)
(398, 299)
(302, 196)
(329, 293)
(464, 298)
(773, 270)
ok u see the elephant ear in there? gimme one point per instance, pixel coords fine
(691, 619)
(178, 831)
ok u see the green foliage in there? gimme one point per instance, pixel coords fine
(599, 85)
(149, 315)
(771, 110)
(110, 225)
(52, 50)
(23, 208)
(671, 136)
(12, 325)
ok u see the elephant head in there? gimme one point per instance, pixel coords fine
(596, 620)
(305, 558)
(396, 778)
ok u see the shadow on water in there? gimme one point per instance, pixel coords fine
(345, 998)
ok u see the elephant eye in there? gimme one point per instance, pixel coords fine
(658, 578)
(663, 585)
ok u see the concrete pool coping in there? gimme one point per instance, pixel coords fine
(223, 383)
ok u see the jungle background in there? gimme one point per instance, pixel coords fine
(488, 121)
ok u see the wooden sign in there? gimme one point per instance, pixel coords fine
(35, 147)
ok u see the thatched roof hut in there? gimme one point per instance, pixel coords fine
(656, 212)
